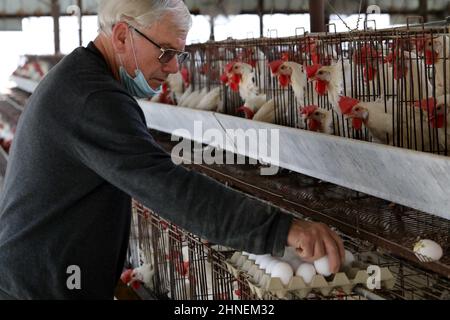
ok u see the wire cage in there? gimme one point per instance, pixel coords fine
(190, 268)
(397, 77)
(186, 267)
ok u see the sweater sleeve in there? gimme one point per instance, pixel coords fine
(112, 139)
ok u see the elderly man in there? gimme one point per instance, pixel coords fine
(82, 150)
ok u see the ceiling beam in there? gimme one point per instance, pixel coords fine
(40, 14)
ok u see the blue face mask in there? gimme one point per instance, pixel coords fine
(136, 86)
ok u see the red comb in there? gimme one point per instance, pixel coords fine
(430, 57)
(247, 111)
(126, 276)
(311, 70)
(419, 43)
(185, 74)
(346, 104)
(310, 46)
(357, 123)
(426, 104)
(229, 66)
(224, 78)
(136, 285)
(204, 69)
(366, 54)
(308, 110)
(275, 65)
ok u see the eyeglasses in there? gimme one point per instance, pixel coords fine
(166, 54)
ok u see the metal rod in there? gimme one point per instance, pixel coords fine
(55, 8)
(80, 22)
(423, 9)
(367, 294)
(261, 17)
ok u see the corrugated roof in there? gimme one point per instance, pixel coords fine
(42, 7)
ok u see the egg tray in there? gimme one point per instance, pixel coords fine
(263, 285)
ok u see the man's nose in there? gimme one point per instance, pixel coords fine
(171, 66)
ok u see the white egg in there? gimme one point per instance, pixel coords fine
(306, 271)
(271, 265)
(322, 266)
(264, 261)
(252, 256)
(283, 271)
(427, 250)
(349, 258)
(244, 253)
(261, 256)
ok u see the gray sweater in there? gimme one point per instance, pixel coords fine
(81, 151)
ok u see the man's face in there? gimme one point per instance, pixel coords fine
(164, 34)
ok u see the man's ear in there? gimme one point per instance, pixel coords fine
(120, 33)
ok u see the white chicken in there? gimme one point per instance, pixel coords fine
(409, 72)
(166, 95)
(175, 82)
(289, 72)
(172, 89)
(438, 116)
(211, 101)
(193, 100)
(138, 276)
(374, 118)
(239, 76)
(336, 78)
(6, 135)
(319, 120)
(377, 75)
(257, 60)
(266, 113)
(383, 127)
(437, 52)
(252, 105)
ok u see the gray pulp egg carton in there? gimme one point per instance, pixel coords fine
(263, 285)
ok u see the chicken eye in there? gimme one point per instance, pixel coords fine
(320, 72)
(316, 113)
(253, 79)
(357, 109)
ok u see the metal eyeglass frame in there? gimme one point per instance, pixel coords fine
(167, 54)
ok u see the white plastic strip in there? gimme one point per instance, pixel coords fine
(414, 179)
(24, 83)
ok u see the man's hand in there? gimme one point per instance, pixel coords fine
(314, 240)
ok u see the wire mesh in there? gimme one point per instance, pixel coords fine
(381, 220)
(399, 77)
(186, 267)
(200, 273)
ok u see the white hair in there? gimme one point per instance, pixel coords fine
(142, 13)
